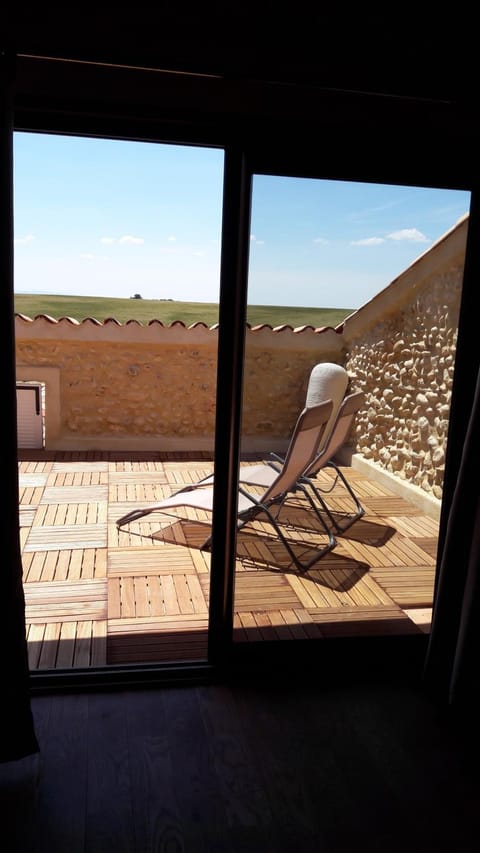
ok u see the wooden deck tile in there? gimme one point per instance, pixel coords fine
(64, 601)
(117, 508)
(27, 515)
(371, 530)
(50, 643)
(61, 565)
(362, 552)
(81, 465)
(76, 479)
(131, 596)
(133, 495)
(252, 626)
(68, 536)
(415, 527)
(34, 480)
(362, 621)
(67, 645)
(30, 496)
(263, 591)
(26, 465)
(428, 544)
(164, 559)
(96, 595)
(74, 494)
(400, 551)
(389, 505)
(421, 616)
(137, 477)
(408, 586)
(183, 637)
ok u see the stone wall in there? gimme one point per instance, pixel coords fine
(401, 352)
(278, 364)
(135, 387)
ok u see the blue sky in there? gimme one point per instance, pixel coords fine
(113, 218)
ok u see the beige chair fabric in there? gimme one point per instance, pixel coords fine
(346, 414)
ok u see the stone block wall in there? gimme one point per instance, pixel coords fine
(401, 352)
(135, 387)
(277, 367)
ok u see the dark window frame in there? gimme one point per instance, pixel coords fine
(263, 128)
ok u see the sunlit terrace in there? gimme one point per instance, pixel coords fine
(97, 596)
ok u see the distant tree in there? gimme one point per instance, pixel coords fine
(136, 296)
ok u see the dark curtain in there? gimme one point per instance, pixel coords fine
(452, 665)
(17, 733)
(452, 669)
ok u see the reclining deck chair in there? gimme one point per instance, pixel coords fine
(302, 450)
(328, 381)
(335, 440)
(263, 475)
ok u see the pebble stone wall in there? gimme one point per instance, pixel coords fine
(405, 364)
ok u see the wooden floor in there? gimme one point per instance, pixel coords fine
(97, 596)
(258, 767)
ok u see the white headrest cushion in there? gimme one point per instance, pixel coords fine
(327, 382)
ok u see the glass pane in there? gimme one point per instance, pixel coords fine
(363, 283)
(123, 238)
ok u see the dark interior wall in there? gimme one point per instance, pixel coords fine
(374, 50)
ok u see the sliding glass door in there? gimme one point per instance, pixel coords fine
(117, 276)
(367, 277)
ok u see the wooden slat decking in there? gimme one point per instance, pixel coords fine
(97, 596)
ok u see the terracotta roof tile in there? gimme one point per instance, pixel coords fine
(86, 320)
(304, 328)
(112, 321)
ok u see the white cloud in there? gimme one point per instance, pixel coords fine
(87, 256)
(133, 241)
(22, 241)
(321, 240)
(368, 241)
(171, 238)
(107, 240)
(410, 234)
(253, 239)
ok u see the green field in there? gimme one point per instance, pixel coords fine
(167, 311)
